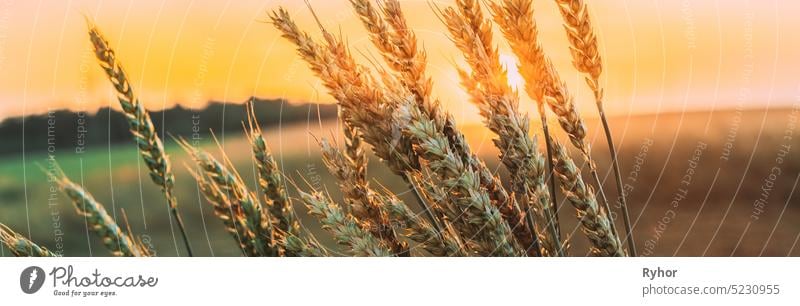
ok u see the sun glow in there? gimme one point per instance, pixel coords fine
(515, 79)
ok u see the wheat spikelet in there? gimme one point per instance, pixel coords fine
(344, 228)
(482, 220)
(412, 60)
(594, 223)
(98, 220)
(412, 76)
(586, 58)
(542, 81)
(299, 247)
(228, 211)
(583, 42)
(515, 18)
(21, 246)
(270, 178)
(355, 91)
(409, 62)
(399, 49)
(499, 105)
(141, 127)
(419, 230)
(137, 241)
(361, 99)
(350, 172)
(244, 206)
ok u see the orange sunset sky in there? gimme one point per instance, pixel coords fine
(659, 55)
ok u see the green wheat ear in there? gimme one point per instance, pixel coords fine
(141, 126)
(270, 178)
(21, 246)
(97, 218)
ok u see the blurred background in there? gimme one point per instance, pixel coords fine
(704, 98)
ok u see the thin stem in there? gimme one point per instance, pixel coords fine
(615, 165)
(554, 223)
(176, 215)
(606, 206)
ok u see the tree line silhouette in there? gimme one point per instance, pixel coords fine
(61, 130)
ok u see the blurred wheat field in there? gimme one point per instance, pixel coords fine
(658, 146)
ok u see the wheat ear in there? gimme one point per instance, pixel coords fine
(364, 101)
(98, 220)
(515, 19)
(301, 247)
(345, 229)
(400, 50)
(349, 170)
(542, 81)
(354, 89)
(141, 127)
(594, 222)
(481, 219)
(420, 231)
(586, 58)
(227, 211)
(270, 178)
(244, 206)
(21, 246)
(499, 105)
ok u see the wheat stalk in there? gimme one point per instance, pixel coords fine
(345, 229)
(243, 204)
(21, 246)
(350, 172)
(270, 178)
(98, 220)
(499, 105)
(594, 222)
(409, 62)
(141, 127)
(586, 58)
(515, 18)
(364, 101)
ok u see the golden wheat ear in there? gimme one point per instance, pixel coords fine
(498, 103)
(349, 168)
(224, 209)
(21, 246)
(366, 105)
(595, 223)
(408, 62)
(140, 125)
(586, 58)
(226, 190)
(543, 83)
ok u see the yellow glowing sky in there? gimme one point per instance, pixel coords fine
(660, 55)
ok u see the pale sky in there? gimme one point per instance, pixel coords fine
(659, 55)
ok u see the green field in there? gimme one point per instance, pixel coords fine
(117, 178)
